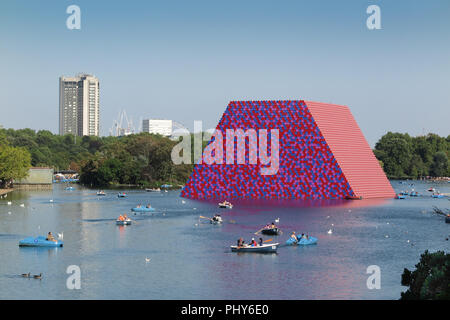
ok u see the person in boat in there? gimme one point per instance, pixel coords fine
(240, 242)
(50, 237)
(260, 241)
(294, 236)
(273, 226)
(253, 243)
(125, 217)
(121, 218)
(148, 206)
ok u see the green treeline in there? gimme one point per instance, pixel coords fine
(141, 159)
(403, 156)
(145, 159)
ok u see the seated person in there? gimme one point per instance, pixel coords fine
(240, 242)
(50, 237)
(260, 241)
(253, 243)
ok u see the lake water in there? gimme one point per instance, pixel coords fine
(191, 259)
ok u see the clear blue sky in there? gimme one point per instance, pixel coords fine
(185, 60)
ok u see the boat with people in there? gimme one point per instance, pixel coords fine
(437, 195)
(431, 189)
(271, 231)
(153, 189)
(225, 205)
(40, 241)
(101, 193)
(140, 208)
(125, 222)
(265, 248)
(400, 196)
(302, 240)
(414, 194)
(217, 219)
(122, 195)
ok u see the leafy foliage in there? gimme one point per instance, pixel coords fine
(142, 159)
(430, 280)
(405, 156)
(14, 162)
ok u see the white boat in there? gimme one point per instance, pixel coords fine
(101, 193)
(153, 190)
(265, 248)
(216, 220)
(225, 205)
(126, 222)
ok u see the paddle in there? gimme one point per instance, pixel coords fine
(260, 230)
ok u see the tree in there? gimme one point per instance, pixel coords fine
(394, 149)
(439, 167)
(14, 164)
(430, 280)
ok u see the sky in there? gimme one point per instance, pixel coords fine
(185, 60)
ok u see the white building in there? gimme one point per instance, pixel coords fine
(79, 111)
(162, 127)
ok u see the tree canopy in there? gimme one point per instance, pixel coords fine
(14, 162)
(403, 156)
(430, 280)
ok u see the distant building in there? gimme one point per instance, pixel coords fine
(38, 178)
(162, 127)
(79, 112)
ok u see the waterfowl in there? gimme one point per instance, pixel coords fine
(37, 276)
(26, 275)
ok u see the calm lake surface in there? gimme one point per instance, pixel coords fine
(191, 259)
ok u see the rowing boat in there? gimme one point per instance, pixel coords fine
(224, 205)
(126, 222)
(265, 248)
(271, 231)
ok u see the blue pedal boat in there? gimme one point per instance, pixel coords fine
(301, 241)
(143, 209)
(39, 241)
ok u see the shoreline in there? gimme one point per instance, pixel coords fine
(5, 191)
